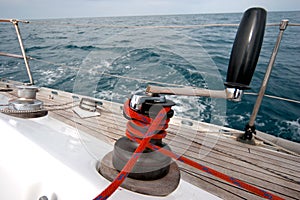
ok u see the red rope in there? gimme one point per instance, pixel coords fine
(152, 127)
(159, 119)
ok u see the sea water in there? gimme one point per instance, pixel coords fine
(114, 57)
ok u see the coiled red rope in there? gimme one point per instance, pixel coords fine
(153, 126)
(139, 124)
(159, 124)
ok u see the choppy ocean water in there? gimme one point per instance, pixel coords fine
(92, 56)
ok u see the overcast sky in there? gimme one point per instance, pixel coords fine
(35, 9)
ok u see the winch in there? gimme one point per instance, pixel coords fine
(152, 168)
(26, 105)
(26, 99)
(140, 112)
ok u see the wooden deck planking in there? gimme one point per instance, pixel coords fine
(284, 168)
(265, 182)
(243, 148)
(223, 145)
(234, 167)
(242, 152)
(274, 171)
(213, 185)
(222, 152)
(226, 162)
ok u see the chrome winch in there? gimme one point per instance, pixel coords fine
(26, 99)
(26, 105)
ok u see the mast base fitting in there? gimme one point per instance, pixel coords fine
(247, 137)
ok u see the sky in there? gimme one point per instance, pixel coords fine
(44, 9)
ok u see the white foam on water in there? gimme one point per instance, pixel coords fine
(294, 126)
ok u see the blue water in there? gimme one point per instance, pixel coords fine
(80, 53)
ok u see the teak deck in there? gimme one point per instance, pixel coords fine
(215, 147)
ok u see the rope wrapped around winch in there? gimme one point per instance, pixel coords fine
(138, 124)
(155, 128)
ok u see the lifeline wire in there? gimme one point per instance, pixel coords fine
(150, 27)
